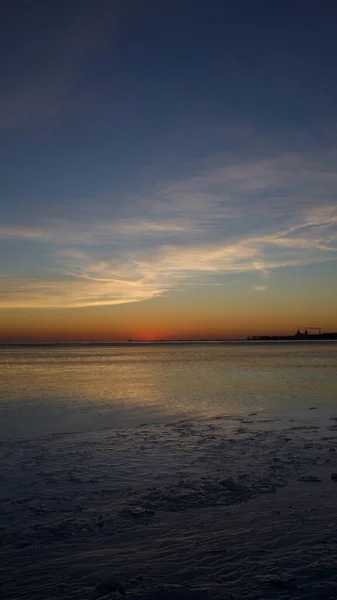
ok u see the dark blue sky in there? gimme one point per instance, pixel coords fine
(106, 88)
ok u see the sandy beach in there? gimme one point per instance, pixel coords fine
(227, 507)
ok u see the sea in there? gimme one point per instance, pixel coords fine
(172, 471)
(69, 389)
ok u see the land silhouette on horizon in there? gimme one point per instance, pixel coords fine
(329, 335)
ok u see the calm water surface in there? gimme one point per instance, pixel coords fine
(46, 390)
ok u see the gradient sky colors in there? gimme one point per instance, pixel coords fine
(168, 169)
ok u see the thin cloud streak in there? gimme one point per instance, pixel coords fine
(68, 232)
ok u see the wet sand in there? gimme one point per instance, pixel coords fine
(237, 508)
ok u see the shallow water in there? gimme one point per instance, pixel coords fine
(248, 504)
(46, 390)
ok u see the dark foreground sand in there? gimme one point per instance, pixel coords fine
(222, 508)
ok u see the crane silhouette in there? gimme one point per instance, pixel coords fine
(314, 329)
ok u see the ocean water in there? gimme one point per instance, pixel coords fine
(65, 389)
(121, 460)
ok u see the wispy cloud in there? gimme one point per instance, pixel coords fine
(76, 291)
(260, 288)
(62, 232)
(250, 217)
(26, 232)
(85, 281)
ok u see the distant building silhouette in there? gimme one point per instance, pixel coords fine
(332, 335)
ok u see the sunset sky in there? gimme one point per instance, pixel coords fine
(168, 168)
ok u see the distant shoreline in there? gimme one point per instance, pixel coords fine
(332, 337)
(297, 337)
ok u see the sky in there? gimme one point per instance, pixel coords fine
(168, 168)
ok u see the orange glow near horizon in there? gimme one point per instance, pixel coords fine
(162, 319)
(212, 313)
